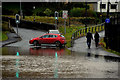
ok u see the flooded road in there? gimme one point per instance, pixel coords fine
(52, 62)
(21, 60)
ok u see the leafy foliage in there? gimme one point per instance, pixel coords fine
(47, 11)
(81, 12)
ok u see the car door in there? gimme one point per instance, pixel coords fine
(52, 38)
(40, 40)
(45, 39)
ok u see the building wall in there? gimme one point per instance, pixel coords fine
(119, 7)
(106, 3)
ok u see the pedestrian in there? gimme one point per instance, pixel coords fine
(89, 37)
(96, 36)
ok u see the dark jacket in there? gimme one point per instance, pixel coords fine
(89, 37)
(96, 36)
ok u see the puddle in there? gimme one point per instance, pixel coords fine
(52, 62)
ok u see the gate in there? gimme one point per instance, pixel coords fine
(112, 33)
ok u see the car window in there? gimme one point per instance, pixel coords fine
(46, 36)
(51, 36)
(54, 36)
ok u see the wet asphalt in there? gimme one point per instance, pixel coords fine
(21, 60)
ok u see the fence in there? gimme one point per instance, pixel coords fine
(112, 33)
(82, 32)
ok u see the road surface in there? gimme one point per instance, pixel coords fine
(52, 62)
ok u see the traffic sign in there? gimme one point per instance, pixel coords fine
(65, 14)
(107, 20)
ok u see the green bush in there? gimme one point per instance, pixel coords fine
(91, 13)
(76, 12)
(5, 26)
(48, 12)
(4, 35)
(80, 12)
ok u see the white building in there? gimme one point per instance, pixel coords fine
(102, 6)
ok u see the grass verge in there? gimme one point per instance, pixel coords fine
(69, 31)
(103, 44)
(4, 30)
(4, 35)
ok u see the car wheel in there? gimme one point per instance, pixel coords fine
(57, 43)
(35, 43)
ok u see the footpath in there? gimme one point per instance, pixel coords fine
(12, 38)
(80, 45)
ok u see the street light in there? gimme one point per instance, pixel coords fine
(34, 14)
(108, 8)
(106, 26)
(101, 10)
(86, 17)
(20, 11)
(117, 10)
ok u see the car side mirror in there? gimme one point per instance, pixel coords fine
(41, 37)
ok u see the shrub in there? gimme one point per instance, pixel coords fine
(48, 12)
(80, 12)
(5, 26)
(76, 12)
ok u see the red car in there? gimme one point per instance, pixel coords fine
(49, 38)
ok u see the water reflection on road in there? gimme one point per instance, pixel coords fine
(52, 62)
(49, 51)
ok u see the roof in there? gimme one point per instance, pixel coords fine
(53, 30)
(51, 34)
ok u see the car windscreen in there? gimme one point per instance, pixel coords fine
(61, 36)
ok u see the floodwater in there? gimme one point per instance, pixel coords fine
(52, 62)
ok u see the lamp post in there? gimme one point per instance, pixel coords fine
(34, 14)
(106, 26)
(86, 17)
(108, 8)
(101, 10)
(117, 10)
(20, 11)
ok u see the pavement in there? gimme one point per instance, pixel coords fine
(80, 45)
(12, 38)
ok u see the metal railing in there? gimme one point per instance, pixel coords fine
(82, 32)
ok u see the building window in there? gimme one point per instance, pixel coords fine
(103, 6)
(113, 6)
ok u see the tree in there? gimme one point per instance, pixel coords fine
(48, 12)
